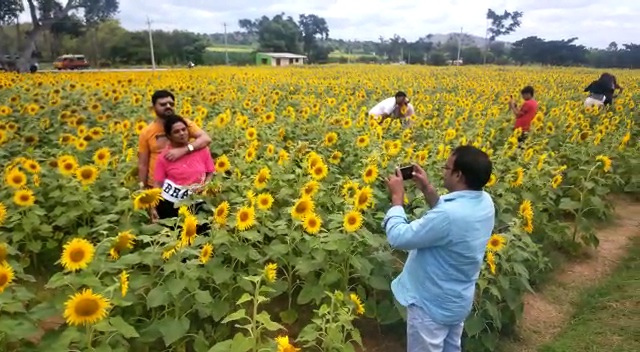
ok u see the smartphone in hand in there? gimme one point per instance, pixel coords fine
(407, 172)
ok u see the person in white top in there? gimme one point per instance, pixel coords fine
(395, 107)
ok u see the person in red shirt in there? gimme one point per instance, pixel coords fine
(525, 113)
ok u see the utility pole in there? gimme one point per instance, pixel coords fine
(459, 44)
(226, 50)
(153, 57)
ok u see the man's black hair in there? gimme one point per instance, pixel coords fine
(161, 94)
(527, 90)
(474, 165)
(401, 94)
(171, 120)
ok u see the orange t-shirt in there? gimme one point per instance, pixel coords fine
(153, 140)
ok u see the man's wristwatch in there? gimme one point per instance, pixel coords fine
(190, 147)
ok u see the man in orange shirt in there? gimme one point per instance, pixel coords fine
(152, 140)
(526, 113)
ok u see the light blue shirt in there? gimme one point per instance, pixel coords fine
(446, 249)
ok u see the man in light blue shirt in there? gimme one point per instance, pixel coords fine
(446, 249)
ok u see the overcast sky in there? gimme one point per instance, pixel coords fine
(595, 23)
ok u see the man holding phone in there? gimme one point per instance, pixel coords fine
(525, 113)
(397, 107)
(446, 248)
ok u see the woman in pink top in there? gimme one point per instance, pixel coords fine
(182, 177)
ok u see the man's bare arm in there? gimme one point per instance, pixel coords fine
(143, 167)
(202, 140)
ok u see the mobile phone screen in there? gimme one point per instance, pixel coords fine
(407, 172)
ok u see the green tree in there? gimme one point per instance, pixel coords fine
(9, 11)
(501, 25)
(312, 27)
(278, 34)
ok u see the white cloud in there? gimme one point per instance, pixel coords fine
(595, 24)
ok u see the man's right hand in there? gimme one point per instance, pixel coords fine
(420, 178)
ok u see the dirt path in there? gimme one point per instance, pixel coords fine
(546, 312)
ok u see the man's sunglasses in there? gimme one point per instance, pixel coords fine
(169, 103)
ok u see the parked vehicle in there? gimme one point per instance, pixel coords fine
(9, 63)
(71, 62)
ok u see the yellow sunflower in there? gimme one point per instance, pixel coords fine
(312, 223)
(335, 157)
(245, 218)
(124, 283)
(319, 171)
(264, 201)
(125, 240)
(357, 302)
(370, 174)
(67, 165)
(556, 181)
(189, 233)
(6, 276)
(251, 133)
(102, 156)
(310, 189)
(222, 164)
(302, 207)
(205, 253)
(77, 254)
(363, 198)
(86, 308)
(3, 213)
(147, 199)
(15, 178)
(87, 175)
(270, 272)
(330, 139)
(261, 179)
(32, 166)
(283, 344)
(221, 213)
(352, 221)
(606, 162)
(519, 177)
(491, 261)
(496, 243)
(362, 141)
(24, 198)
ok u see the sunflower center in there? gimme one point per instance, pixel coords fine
(77, 255)
(244, 216)
(312, 223)
(68, 166)
(17, 179)
(4, 278)
(86, 174)
(369, 173)
(87, 307)
(24, 197)
(352, 220)
(301, 208)
(363, 198)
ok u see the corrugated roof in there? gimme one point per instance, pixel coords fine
(285, 55)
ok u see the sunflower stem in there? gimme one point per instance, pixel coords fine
(89, 336)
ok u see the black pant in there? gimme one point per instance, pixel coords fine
(167, 210)
(608, 99)
(522, 139)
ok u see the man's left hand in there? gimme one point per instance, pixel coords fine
(396, 188)
(176, 153)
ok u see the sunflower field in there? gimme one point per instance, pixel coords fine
(296, 259)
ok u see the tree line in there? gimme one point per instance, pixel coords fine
(87, 27)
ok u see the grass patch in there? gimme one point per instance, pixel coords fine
(607, 317)
(232, 48)
(339, 54)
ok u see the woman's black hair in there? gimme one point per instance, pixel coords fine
(171, 120)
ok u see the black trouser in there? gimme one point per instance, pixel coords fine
(522, 138)
(608, 99)
(167, 210)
